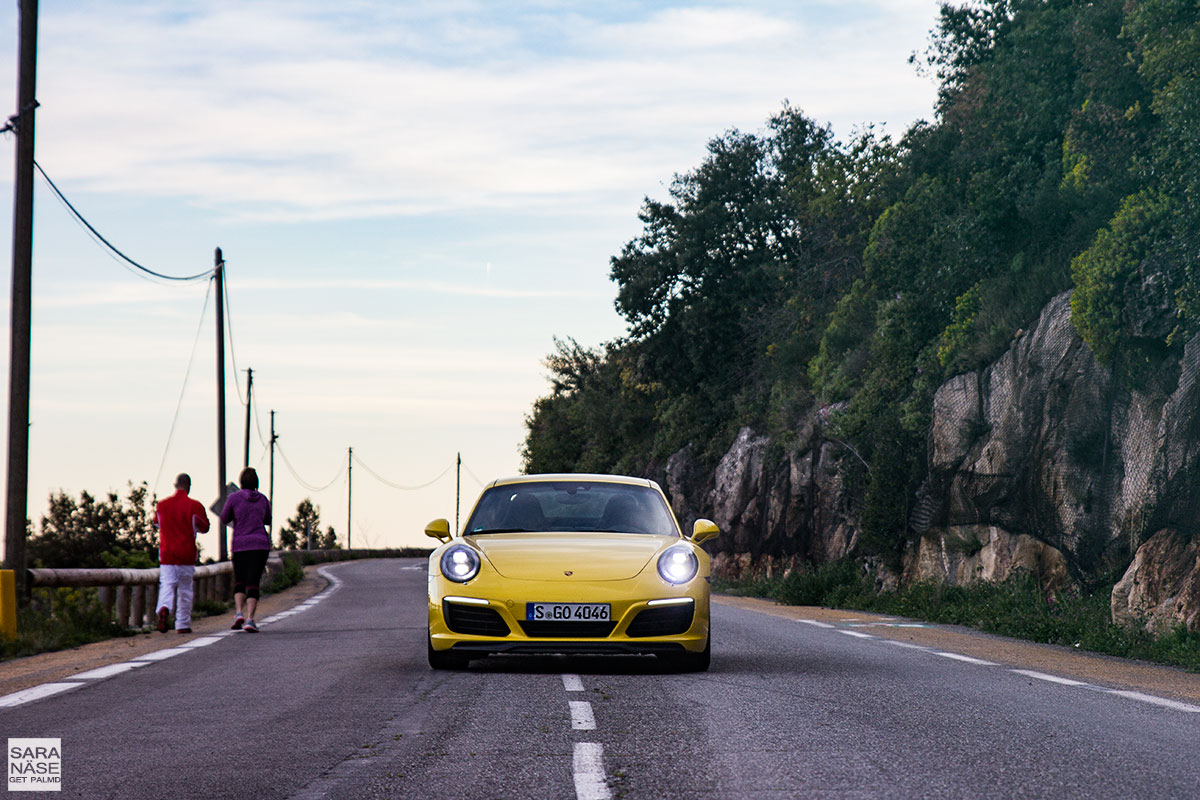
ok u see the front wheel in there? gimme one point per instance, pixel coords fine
(692, 662)
(445, 659)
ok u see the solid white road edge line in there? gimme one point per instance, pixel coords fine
(582, 718)
(36, 693)
(815, 624)
(589, 772)
(965, 659)
(1157, 701)
(909, 645)
(1129, 695)
(100, 673)
(1041, 676)
(572, 683)
(109, 671)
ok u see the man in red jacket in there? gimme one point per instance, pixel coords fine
(178, 519)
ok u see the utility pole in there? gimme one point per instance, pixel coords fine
(22, 124)
(249, 389)
(457, 489)
(219, 272)
(349, 494)
(271, 495)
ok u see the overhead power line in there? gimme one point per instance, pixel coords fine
(183, 389)
(75, 212)
(474, 477)
(402, 488)
(310, 487)
(229, 330)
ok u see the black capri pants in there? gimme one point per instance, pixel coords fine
(248, 566)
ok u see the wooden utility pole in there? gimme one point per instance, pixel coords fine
(271, 495)
(349, 494)
(222, 550)
(22, 124)
(249, 389)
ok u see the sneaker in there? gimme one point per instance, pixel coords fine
(183, 630)
(238, 622)
(250, 627)
(162, 620)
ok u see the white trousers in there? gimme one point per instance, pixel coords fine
(174, 578)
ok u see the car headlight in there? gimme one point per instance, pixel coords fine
(460, 563)
(678, 564)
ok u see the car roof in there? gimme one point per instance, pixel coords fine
(573, 476)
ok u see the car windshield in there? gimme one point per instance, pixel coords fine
(571, 506)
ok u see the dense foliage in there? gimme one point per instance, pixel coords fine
(295, 534)
(791, 271)
(91, 532)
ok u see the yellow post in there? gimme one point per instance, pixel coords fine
(8, 604)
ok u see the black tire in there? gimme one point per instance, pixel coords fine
(692, 662)
(445, 659)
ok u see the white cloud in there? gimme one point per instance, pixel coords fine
(271, 110)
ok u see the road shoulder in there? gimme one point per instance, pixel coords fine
(1092, 668)
(23, 673)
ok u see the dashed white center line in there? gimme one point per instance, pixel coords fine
(1041, 676)
(582, 718)
(572, 683)
(589, 772)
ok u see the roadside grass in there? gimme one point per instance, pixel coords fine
(292, 573)
(57, 619)
(1017, 608)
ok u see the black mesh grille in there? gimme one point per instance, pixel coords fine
(567, 630)
(474, 620)
(662, 621)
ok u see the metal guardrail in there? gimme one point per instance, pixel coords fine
(132, 594)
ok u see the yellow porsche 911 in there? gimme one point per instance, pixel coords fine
(570, 564)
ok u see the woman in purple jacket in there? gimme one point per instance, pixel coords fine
(250, 514)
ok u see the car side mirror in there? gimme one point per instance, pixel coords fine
(703, 530)
(438, 529)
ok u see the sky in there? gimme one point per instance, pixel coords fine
(412, 199)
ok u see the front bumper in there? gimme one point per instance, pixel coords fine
(501, 599)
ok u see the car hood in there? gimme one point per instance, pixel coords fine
(570, 556)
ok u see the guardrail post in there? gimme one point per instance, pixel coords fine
(123, 606)
(8, 604)
(106, 600)
(138, 612)
(151, 617)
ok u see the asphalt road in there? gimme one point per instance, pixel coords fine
(337, 701)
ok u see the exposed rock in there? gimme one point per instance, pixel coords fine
(1161, 588)
(1042, 462)
(1046, 441)
(778, 515)
(965, 554)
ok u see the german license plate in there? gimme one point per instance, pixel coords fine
(567, 612)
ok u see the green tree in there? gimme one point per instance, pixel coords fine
(91, 532)
(293, 535)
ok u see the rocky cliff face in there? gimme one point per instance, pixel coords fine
(772, 516)
(1042, 462)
